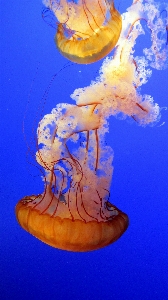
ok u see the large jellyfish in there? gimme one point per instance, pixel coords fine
(74, 212)
(88, 29)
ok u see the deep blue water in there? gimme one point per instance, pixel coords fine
(136, 266)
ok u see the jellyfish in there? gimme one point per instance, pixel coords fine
(75, 212)
(87, 30)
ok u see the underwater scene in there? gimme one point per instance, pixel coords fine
(84, 150)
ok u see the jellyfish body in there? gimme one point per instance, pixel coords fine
(88, 30)
(74, 212)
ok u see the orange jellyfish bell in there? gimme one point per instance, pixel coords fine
(88, 30)
(67, 233)
(74, 212)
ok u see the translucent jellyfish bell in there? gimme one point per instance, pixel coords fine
(88, 30)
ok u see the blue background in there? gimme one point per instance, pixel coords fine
(136, 266)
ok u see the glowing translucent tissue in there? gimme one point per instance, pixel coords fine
(88, 29)
(74, 212)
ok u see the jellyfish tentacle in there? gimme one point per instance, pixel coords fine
(97, 150)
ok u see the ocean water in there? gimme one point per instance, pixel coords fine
(136, 266)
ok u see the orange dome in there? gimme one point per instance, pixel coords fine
(68, 234)
(91, 49)
(87, 30)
